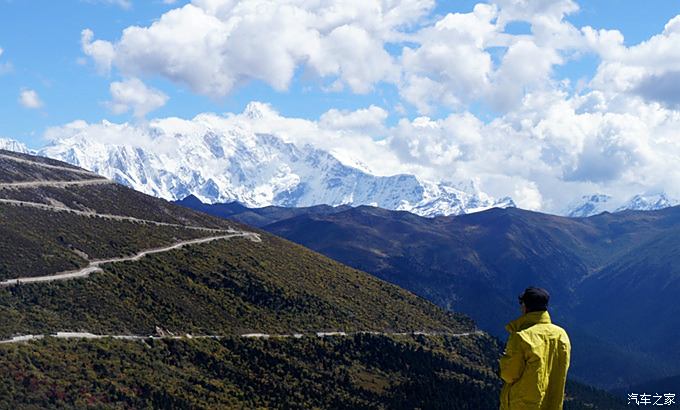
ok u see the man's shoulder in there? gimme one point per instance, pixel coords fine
(545, 328)
(558, 328)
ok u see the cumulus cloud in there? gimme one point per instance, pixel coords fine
(450, 64)
(369, 120)
(30, 99)
(663, 88)
(213, 46)
(641, 69)
(102, 52)
(133, 94)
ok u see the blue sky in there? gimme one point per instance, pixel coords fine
(42, 52)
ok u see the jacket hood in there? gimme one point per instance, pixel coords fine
(527, 320)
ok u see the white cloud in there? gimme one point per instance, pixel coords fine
(134, 94)
(450, 64)
(369, 120)
(30, 99)
(639, 69)
(104, 132)
(213, 46)
(101, 51)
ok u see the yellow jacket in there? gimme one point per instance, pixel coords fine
(535, 363)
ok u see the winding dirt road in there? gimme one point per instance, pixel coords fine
(94, 266)
(56, 184)
(55, 208)
(85, 335)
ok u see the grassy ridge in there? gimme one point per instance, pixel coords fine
(225, 287)
(37, 242)
(116, 200)
(13, 171)
(37, 159)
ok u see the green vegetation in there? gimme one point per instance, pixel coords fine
(355, 372)
(37, 242)
(114, 199)
(13, 171)
(359, 372)
(224, 287)
(602, 272)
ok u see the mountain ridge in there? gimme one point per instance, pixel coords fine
(451, 260)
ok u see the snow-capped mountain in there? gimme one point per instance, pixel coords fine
(648, 202)
(590, 205)
(173, 158)
(12, 145)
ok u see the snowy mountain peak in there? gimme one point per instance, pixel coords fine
(220, 161)
(589, 205)
(257, 110)
(595, 204)
(12, 145)
(648, 202)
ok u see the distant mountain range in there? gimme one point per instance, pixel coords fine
(219, 163)
(613, 277)
(590, 205)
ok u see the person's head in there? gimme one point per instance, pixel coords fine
(534, 299)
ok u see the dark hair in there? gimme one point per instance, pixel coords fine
(535, 299)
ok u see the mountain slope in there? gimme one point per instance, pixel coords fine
(241, 282)
(251, 283)
(594, 267)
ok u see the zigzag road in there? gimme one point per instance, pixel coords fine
(56, 183)
(94, 266)
(54, 208)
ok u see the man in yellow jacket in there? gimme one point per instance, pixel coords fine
(536, 359)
